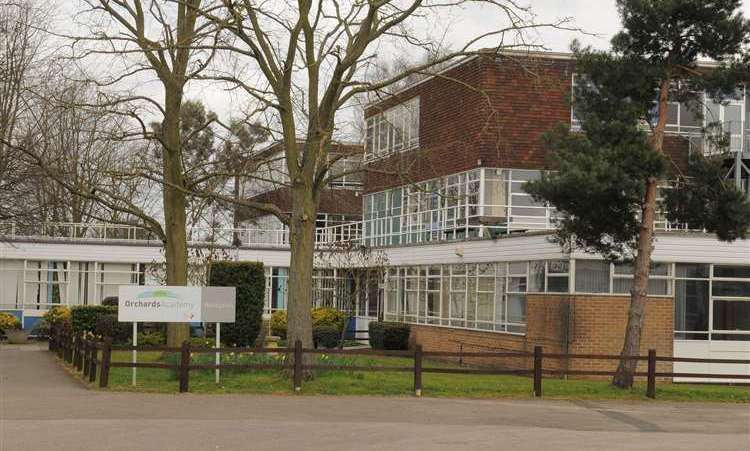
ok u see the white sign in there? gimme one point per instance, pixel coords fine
(175, 304)
(218, 304)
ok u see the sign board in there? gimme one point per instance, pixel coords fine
(167, 304)
(218, 304)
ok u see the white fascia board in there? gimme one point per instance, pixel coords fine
(109, 253)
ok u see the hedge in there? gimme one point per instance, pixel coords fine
(326, 337)
(83, 317)
(321, 317)
(107, 326)
(387, 335)
(250, 281)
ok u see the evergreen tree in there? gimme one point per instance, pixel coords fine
(605, 184)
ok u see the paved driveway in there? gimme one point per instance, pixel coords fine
(43, 408)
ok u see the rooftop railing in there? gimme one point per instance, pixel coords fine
(446, 224)
(93, 232)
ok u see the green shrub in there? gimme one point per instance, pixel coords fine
(330, 317)
(83, 317)
(106, 325)
(326, 337)
(321, 317)
(278, 323)
(57, 316)
(9, 322)
(250, 281)
(151, 338)
(110, 300)
(386, 335)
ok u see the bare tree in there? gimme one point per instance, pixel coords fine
(21, 37)
(310, 59)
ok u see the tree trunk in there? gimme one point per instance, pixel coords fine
(639, 293)
(302, 244)
(626, 369)
(175, 216)
(236, 239)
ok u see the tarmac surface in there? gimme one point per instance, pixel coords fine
(42, 407)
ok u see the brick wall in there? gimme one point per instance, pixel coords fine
(574, 324)
(487, 112)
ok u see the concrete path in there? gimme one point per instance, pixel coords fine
(42, 407)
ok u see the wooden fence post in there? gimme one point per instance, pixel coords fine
(79, 356)
(651, 388)
(106, 359)
(185, 367)
(71, 347)
(92, 362)
(85, 358)
(418, 370)
(51, 340)
(538, 355)
(298, 365)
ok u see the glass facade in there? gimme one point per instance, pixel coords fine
(476, 203)
(482, 296)
(393, 130)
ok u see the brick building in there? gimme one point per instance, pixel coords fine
(469, 260)
(472, 266)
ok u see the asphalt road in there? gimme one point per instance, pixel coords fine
(44, 408)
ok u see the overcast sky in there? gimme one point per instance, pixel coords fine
(598, 18)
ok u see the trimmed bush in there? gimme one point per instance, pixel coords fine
(326, 337)
(387, 335)
(110, 300)
(250, 281)
(9, 322)
(57, 316)
(329, 317)
(83, 317)
(321, 317)
(278, 323)
(107, 326)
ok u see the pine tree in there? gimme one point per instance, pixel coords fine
(605, 184)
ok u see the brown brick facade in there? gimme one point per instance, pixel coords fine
(574, 324)
(491, 111)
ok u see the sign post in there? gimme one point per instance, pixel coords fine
(135, 353)
(217, 345)
(168, 304)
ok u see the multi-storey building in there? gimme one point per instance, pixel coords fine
(469, 260)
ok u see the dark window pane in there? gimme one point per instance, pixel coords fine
(733, 289)
(692, 270)
(691, 305)
(691, 336)
(732, 315)
(557, 284)
(739, 272)
(731, 337)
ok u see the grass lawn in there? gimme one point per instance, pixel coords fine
(338, 382)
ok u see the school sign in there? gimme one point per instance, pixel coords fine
(168, 304)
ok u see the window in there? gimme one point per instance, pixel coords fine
(658, 280)
(393, 130)
(592, 276)
(469, 296)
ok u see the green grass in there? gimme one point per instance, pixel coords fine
(336, 382)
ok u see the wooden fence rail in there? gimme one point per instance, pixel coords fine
(83, 353)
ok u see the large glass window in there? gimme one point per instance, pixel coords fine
(393, 130)
(460, 295)
(480, 202)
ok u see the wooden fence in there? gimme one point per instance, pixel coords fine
(88, 356)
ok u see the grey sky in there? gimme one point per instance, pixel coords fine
(598, 18)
